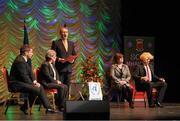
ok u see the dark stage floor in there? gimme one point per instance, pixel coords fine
(171, 111)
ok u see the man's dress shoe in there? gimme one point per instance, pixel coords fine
(131, 105)
(24, 110)
(158, 104)
(151, 106)
(49, 110)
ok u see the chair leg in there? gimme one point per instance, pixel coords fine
(29, 109)
(134, 96)
(107, 95)
(53, 101)
(33, 104)
(5, 102)
(110, 96)
(39, 107)
(6, 106)
(144, 93)
(118, 98)
(81, 95)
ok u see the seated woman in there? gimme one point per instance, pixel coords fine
(50, 78)
(120, 78)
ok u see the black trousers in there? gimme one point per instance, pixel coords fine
(62, 92)
(148, 86)
(125, 91)
(32, 92)
(161, 89)
(65, 78)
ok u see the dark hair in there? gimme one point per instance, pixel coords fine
(25, 48)
(65, 25)
(117, 57)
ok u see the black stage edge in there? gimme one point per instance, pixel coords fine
(87, 110)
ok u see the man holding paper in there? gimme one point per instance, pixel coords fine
(66, 55)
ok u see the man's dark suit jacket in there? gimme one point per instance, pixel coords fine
(21, 71)
(46, 74)
(22, 78)
(61, 53)
(140, 72)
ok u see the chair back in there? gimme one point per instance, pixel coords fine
(36, 73)
(6, 78)
(14, 94)
(5, 75)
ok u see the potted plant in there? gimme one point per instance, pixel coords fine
(89, 73)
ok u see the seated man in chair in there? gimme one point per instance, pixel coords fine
(23, 80)
(50, 78)
(146, 80)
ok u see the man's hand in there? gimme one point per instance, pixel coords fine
(71, 61)
(71, 58)
(145, 78)
(62, 60)
(58, 82)
(162, 79)
(36, 84)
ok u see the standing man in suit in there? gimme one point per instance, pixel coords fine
(146, 80)
(50, 78)
(64, 49)
(23, 80)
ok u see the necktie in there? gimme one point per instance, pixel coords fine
(148, 72)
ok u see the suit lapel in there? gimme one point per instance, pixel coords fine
(61, 46)
(51, 71)
(118, 69)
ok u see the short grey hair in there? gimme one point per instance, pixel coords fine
(50, 54)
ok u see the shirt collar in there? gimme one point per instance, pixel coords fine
(25, 58)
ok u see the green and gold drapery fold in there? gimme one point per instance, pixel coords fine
(93, 26)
